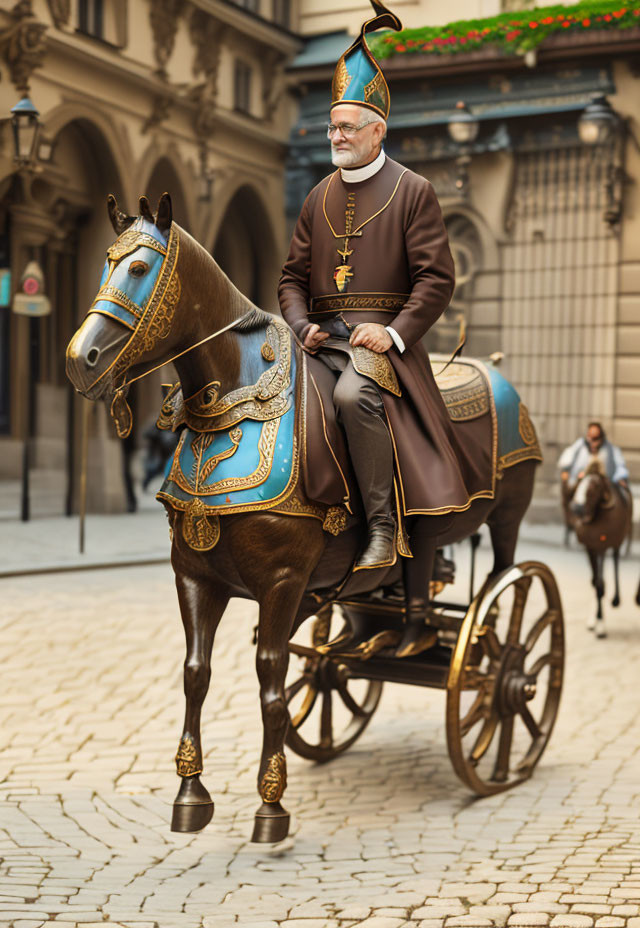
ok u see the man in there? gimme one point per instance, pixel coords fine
(575, 459)
(368, 273)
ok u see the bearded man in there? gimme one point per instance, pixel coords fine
(368, 273)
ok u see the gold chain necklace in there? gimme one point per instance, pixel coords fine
(343, 272)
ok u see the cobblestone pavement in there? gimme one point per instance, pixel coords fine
(385, 836)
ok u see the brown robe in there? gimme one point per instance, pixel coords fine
(403, 276)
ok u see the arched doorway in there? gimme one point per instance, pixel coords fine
(60, 220)
(245, 248)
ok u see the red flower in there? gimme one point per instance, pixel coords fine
(513, 34)
(566, 25)
(401, 48)
(463, 41)
(586, 22)
(533, 25)
(547, 20)
(619, 13)
(607, 18)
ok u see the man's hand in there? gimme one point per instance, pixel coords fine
(314, 338)
(372, 335)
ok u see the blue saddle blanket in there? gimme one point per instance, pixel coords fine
(248, 466)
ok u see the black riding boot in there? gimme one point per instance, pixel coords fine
(418, 573)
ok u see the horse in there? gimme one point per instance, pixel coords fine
(600, 515)
(171, 301)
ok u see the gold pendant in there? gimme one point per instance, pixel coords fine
(341, 276)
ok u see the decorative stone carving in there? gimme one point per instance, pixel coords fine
(273, 82)
(60, 11)
(23, 45)
(159, 112)
(206, 34)
(164, 15)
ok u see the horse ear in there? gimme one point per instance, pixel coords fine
(145, 209)
(164, 216)
(119, 220)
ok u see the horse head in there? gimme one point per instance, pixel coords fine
(592, 491)
(134, 309)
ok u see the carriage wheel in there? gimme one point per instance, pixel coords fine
(505, 679)
(328, 708)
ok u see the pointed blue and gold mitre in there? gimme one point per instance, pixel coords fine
(358, 77)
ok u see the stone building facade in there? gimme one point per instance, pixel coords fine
(545, 230)
(134, 97)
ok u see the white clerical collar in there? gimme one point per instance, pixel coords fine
(355, 175)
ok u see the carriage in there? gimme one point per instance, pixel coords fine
(498, 658)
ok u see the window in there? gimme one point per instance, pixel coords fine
(252, 5)
(282, 13)
(242, 87)
(91, 18)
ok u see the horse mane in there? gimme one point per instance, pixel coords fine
(239, 304)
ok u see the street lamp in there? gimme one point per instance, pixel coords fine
(25, 123)
(463, 125)
(598, 123)
(601, 129)
(463, 129)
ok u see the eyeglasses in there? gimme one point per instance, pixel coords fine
(347, 130)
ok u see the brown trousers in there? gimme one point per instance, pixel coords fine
(360, 411)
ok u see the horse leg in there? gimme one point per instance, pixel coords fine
(616, 563)
(278, 609)
(596, 561)
(514, 495)
(275, 555)
(201, 608)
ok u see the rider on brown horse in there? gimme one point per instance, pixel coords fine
(368, 273)
(575, 459)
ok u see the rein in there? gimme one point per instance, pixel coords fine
(187, 350)
(120, 409)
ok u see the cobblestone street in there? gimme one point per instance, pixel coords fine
(385, 836)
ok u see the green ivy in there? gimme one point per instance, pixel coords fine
(514, 33)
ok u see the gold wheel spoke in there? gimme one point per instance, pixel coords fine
(501, 768)
(547, 617)
(484, 739)
(295, 688)
(530, 722)
(475, 679)
(520, 593)
(349, 701)
(305, 708)
(540, 663)
(476, 712)
(491, 643)
(326, 720)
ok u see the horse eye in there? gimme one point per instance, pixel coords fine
(138, 268)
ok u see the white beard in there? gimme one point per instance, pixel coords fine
(344, 159)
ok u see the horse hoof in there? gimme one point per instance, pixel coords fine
(615, 601)
(188, 818)
(591, 624)
(271, 824)
(601, 633)
(193, 808)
